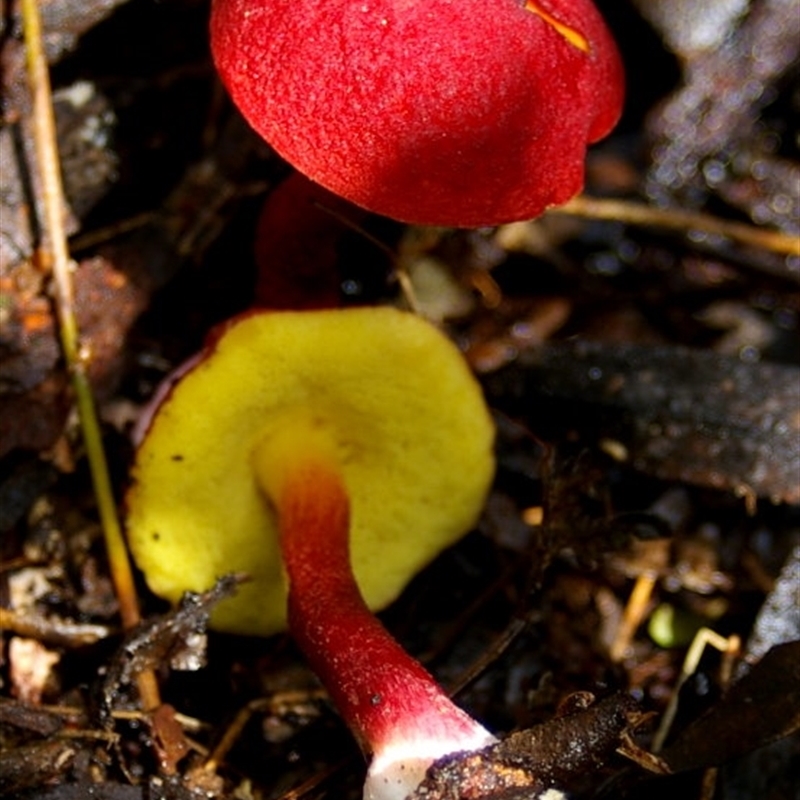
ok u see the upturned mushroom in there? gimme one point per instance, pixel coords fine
(300, 443)
(445, 112)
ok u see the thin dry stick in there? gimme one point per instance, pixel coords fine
(685, 221)
(729, 647)
(234, 730)
(633, 615)
(75, 358)
(401, 272)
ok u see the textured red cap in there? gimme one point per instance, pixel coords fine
(445, 112)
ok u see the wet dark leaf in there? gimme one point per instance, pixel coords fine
(761, 708)
(34, 764)
(680, 414)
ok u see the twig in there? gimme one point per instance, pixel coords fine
(498, 646)
(684, 221)
(62, 632)
(76, 358)
(400, 270)
(234, 730)
(729, 647)
(633, 615)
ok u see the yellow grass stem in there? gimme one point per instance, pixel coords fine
(76, 358)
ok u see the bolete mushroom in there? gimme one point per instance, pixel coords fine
(299, 441)
(445, 112)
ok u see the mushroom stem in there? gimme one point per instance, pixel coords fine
(394, 707)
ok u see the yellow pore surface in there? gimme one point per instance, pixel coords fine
(407, 422)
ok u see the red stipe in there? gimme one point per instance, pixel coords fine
(299, 229)
(384, 695)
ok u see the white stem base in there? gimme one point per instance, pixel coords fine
(398, 769)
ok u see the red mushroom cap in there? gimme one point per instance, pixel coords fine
(445, 112)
